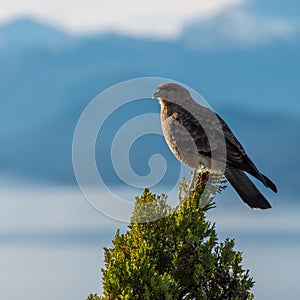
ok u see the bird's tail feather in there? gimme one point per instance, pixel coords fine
(264, 179)
(268, 183)
(246, 188)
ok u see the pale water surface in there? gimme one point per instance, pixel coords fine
(51, 243)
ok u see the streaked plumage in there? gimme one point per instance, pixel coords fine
(196, 134)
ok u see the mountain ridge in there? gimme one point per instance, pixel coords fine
(44, 91)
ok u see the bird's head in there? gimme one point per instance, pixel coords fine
(171, 92)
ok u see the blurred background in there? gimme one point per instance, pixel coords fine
(56, 56)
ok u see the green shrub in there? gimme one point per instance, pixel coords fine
(175, 257)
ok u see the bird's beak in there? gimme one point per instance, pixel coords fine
(155, 95)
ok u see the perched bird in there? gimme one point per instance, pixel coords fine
(198, 136)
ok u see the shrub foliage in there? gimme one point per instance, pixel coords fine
(175, 257)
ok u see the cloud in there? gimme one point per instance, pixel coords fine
(238, 27)
(162, 19)
(200, 23)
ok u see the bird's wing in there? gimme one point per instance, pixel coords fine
(213, 137)
(218, 137)
(236, 154)
(194, 126)
(218, 128)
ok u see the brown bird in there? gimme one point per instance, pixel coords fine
(198, 136)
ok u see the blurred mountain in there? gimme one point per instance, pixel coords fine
(45, 87)
(21, 34)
